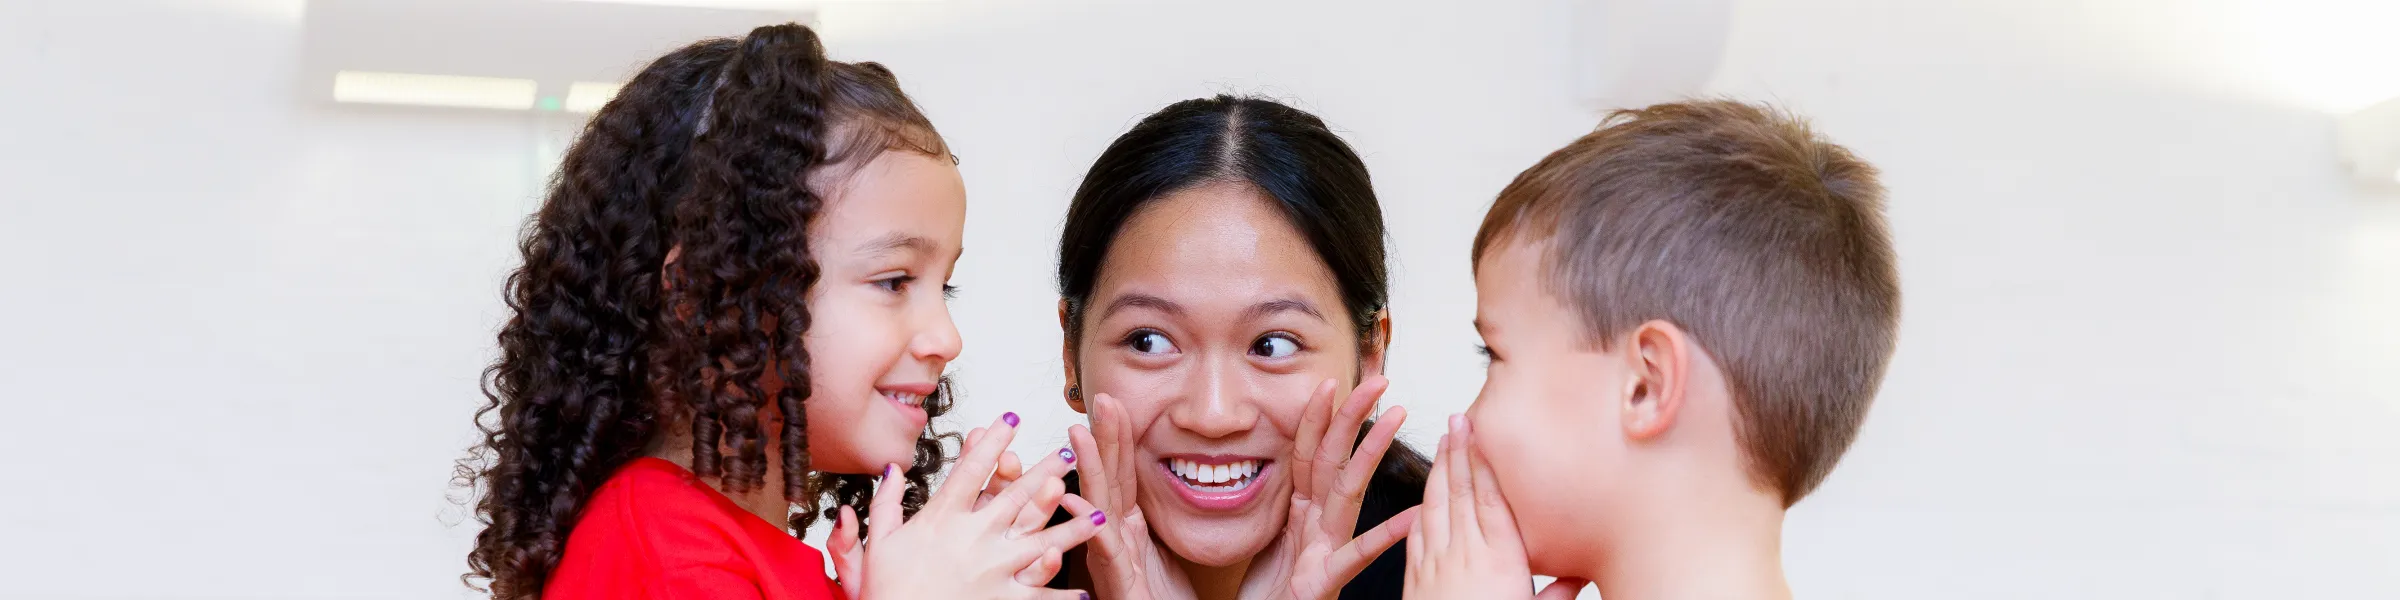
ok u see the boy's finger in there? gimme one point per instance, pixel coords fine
(1563, 589)
(1416, 535)
(1498, 524)
(885, 512)
(1349, 493)
(1435, 518)
(976, 466)
(1314, 418)
(1463, 524)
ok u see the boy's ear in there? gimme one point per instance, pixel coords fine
(1661, 355)
(1375, 348)
(1066, 356)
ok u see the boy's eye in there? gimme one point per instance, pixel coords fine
(1275, 346)
(949, 292)
(1149, 342)
(1485, 352)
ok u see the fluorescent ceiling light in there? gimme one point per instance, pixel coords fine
(369, 87)
(589, 96)
(775, 5)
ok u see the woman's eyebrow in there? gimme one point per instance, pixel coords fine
(1141, 301)
(1282, 305)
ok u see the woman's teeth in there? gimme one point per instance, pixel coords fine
(1215, 477)
(906, 399)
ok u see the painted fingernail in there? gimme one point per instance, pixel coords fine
(1009, 418)
(890, 469)
(1067, 453)
(1099, 518)
(1084, 595)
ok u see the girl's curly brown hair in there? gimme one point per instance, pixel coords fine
(714, 152)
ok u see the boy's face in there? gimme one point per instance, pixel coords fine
(1547, 418)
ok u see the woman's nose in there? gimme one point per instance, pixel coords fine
(1220, 406)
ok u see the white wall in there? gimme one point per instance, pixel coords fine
(2149, 348)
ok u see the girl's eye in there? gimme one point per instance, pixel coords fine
(1149, 342)
(1275, 346)
(895, 284)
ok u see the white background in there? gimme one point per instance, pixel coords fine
(2151, 346)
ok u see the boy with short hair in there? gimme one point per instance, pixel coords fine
(1687, 313)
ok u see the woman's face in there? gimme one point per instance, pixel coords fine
(1212, 320)
(881, 332)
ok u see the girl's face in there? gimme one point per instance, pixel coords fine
(1212, 320)
(880, 331)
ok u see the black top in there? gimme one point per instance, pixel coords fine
(1398, 484)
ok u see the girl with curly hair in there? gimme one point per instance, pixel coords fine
(746, 250)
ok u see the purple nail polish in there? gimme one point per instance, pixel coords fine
(1084, 595)
(889, 470)
(1067, 453)
(1099, 518)
(1009, 418)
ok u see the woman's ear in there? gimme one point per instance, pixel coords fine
(1066, 357)
(1662, 366)
(1376, 346)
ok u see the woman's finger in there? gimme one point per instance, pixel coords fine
(1314, 419)
(1348, 560)
(1334, 452)
(1116, 441)
(1350, 488)
(1090, 464)
(1464, 527)
(976, 466)
(884, 512)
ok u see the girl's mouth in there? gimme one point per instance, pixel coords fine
(1216, 483)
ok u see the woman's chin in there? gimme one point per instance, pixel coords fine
(1218, 541)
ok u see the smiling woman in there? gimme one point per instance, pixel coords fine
(1222, 281)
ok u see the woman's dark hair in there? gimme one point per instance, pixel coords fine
(1321, 187)
(716, 151)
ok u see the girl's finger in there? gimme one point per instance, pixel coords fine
(1087, 522)
(1023, 491)
(885, 511)
(843, 544)
(1463, 524)
(976, 466)
(1010, 469)
(1040, 572)
(1037, 513)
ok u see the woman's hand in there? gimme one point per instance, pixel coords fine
(957, 547)
(1124, 561)
(1317, 555)
(1465, 542)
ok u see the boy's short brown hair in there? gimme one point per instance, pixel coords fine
(1739, 224)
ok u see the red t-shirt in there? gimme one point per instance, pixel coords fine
(656, 532)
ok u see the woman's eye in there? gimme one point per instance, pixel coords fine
(1275, 346)
(1149, 342)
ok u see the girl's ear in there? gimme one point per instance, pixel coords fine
(1066, 355)
(1377, 346)
(666, 269)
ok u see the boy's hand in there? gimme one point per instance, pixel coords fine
(1465, 543)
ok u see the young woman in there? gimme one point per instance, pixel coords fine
(733, 306)
(1223, 283)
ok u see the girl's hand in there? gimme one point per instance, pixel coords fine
(1124, 561)
(956, 549)
(849, 557)
(1465, 542)
(1317, 555)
